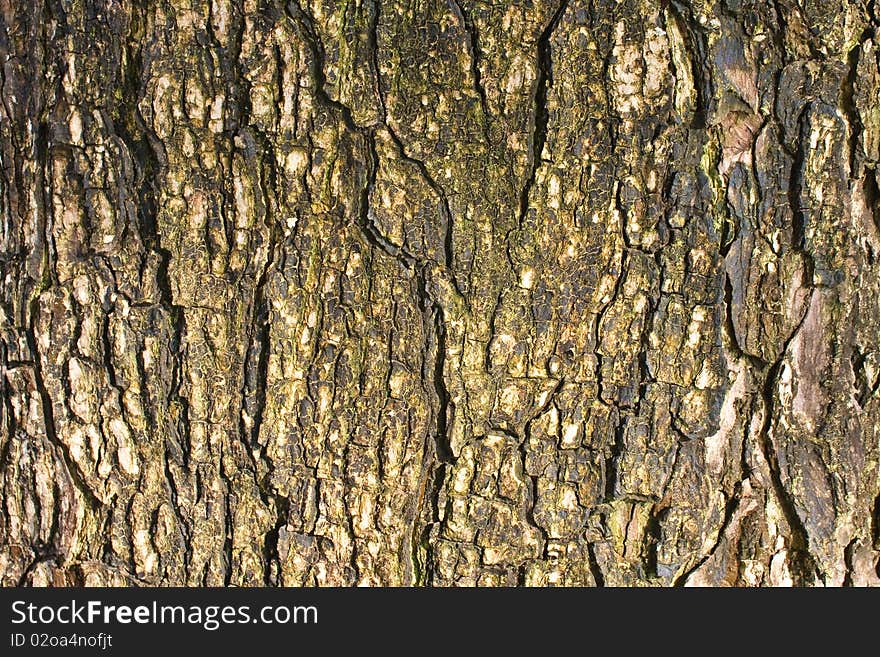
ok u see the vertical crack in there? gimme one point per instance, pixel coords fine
(541, 115)
(802, 559)
(271, 556)
(593, 563)
(614, 455)
(147, 153)
(848, 554)
(795, 186)
(731, 505)
(435, 325)
(443, 446)
(872, 196)
(476, 54)
(695, 42)
(229, 530)
(48, 412)
(848, 105)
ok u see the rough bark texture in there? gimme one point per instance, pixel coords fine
(569, 292)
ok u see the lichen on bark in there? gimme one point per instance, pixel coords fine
(453, 292)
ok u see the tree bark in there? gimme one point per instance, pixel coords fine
(448, 292)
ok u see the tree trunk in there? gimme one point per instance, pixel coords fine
(440, 293)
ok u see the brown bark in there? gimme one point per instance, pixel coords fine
(434, 293)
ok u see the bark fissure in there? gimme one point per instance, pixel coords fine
(804, 562)
(475, 56)
(540, 114)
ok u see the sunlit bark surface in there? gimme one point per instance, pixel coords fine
(439, 293)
